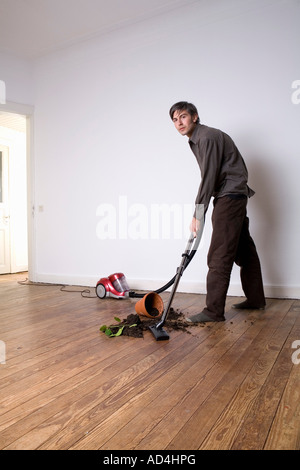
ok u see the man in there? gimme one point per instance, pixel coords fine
(224, 177)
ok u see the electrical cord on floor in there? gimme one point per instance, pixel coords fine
(63, 288)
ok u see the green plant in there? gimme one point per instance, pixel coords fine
(114, 330)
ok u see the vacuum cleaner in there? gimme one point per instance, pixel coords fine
(116, 285)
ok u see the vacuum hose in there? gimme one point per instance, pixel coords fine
(188, 258)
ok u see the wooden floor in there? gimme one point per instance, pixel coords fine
(65, 385)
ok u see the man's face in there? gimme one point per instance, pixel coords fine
(184, 122)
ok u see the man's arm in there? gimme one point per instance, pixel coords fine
(210, 165)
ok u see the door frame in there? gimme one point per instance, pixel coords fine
(4, 150)
(28, 111)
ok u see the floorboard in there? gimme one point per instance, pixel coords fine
(219, 386)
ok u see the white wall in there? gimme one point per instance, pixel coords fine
(102, 132)
(16, 73)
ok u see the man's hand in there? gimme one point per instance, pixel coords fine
(195, 226)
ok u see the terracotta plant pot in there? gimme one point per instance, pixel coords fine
(151, 305)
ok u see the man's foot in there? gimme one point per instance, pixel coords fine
(201, 318)
(247, 306)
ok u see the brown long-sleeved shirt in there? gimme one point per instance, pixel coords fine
(223, 170)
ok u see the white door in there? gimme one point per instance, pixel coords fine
(4, 213)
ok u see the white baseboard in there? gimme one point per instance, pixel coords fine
(65, 279)
(192, 287)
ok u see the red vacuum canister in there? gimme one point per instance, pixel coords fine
(114, 285)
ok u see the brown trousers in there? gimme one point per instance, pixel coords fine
(231, 242)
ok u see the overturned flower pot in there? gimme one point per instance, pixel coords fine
(151, 305)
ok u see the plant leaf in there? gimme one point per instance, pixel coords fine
(108, 329)
(119, 332)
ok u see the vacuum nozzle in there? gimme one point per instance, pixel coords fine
(159, 333)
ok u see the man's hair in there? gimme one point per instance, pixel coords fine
(184, 106)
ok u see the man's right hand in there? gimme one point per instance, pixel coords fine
(194, 226)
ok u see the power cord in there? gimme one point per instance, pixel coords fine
(86, 292)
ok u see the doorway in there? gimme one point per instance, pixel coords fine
(13, 193)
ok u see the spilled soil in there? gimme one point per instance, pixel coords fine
(174, 321)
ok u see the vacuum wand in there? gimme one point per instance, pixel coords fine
(157, 330)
